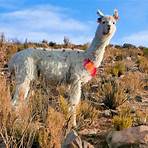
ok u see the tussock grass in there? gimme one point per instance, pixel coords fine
(123, 120)
(44, 120)
(27, 125)
(112, 94)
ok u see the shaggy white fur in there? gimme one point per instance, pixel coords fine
(62, 66)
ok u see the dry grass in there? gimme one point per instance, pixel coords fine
(140, 117)
(132, 82)
(51, 134)
(26, 125)
(113, 53)
(123, 120)
(145, 51)
(64, 106)
(143, 64)
(86, 114)
(39, 125)
(112, 94)
(117, 69)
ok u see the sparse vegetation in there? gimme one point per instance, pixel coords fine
(143, 64)
(117, 69)
(140, 118)
(132, 82)
(145, 51)
(123, 120)
(44, 121)
(113, 95)
(64, 106)
(86, 114)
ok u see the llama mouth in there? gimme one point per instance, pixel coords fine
(105, 33)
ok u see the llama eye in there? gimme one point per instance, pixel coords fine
(103, 22)
(113, 22)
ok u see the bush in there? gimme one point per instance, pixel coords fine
(132, 82)
(86, 114)
(140, 118)
(25, 126)
(64, 106)
(143, 64)
(123, 120)
(85, 46)
(118, 69)
(145, 51)
(112, 93)
(51, 134)
(52, 44)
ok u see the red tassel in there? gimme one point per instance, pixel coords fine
(90, 67)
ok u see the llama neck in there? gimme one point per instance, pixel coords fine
(97, 48)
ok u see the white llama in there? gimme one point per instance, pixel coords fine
(72, 67)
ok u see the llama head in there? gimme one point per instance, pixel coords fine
(107, 24)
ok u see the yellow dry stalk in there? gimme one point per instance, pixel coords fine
(123, 120)
(64, 106)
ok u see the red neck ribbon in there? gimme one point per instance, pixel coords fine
(90, 67)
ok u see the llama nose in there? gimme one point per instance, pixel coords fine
(108, 27)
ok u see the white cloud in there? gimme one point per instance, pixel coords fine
(139, 38)
(44, 22)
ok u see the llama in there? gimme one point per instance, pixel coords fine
(72, 67)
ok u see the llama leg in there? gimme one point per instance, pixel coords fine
(75, 94)
(21, 91)
(25, 72)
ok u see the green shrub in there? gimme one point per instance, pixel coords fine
(143, 64)
(118, 69)
(145, 51)
(64, 106)
(112, 93)
(123, 120)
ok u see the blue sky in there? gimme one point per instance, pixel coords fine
(54, 19)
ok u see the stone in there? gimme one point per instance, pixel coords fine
(133, 109)
(72, 140)
(146, 88)
(129, 58)
(135, 137)
(138, 98)
(107, 113)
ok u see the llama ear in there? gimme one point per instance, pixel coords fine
(99, 20)
(115, 15)
(100, 13)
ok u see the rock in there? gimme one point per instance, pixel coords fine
(134, 137)
(138, 98)
(146, 88)
(72, 140)
(129, 58)
(133, 109)
(2, 145)
(107, 113)
(134, 68)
